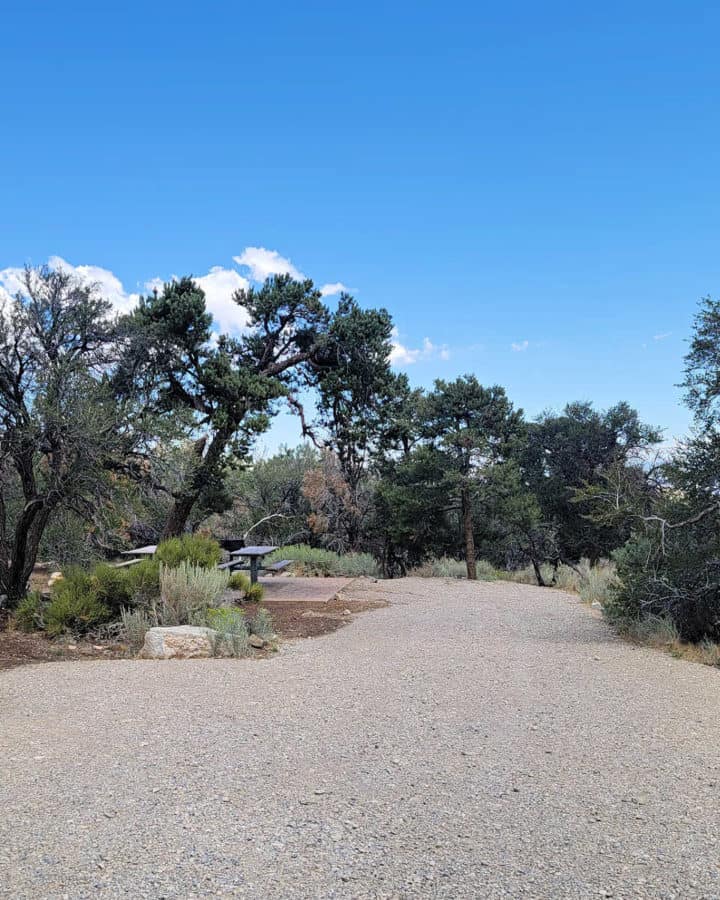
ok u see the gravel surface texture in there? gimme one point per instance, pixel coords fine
(470, 740)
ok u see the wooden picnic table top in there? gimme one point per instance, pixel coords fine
(253, 551)
(148, 550)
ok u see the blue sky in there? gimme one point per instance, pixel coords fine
(531, 189)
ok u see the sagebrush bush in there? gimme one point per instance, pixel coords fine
(186, 592)
(75, 605)
(316, 561)
(232, 631)
(29, 614)
(261, 624)
(196, 549)
(135, 623)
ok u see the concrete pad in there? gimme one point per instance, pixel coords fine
(291, 589)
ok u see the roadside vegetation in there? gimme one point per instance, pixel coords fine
(140, 428)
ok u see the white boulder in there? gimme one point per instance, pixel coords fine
(179, 642)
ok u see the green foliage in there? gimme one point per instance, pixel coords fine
(261, 624)
(186, 592)
(29, 613)
(232, 630)
(112, 586)
(196, 549)
(315, 561)
(446, 567)
(135, 623)
(239, 581)
(76, 605)
(143, 581)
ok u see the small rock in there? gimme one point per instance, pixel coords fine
(596, 604)
(256, 641)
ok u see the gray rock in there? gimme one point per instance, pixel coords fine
(256, 641)
(179, 642)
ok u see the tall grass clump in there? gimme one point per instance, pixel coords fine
(135, 623)
(316, 561)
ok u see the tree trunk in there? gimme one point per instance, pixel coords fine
(187, 498)
(538, 574)
(469, 536)
(28, 533)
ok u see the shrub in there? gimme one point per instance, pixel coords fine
(143, 580)
(598, 584)
(135, 623)
(186, 592)
(261, 624)
(113, 586)
(316, 561)
(75, 605)
(232, 630)
(446, 567)
(29, 615)
(238, 581)
(196, 549)
(241, 582)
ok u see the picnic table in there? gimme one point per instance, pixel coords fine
(254, 555)
(148, 550)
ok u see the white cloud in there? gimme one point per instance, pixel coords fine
(335, 287)
(109, 285)
(219, 285)
(519, 346)
(262, 263)
(661, 337)
(400, 355)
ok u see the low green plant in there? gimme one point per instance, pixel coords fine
(113, 586)
(316, 561)
(241, 582)
(446, 567)
(143, 581)
(232, 631)
(196, 549)
(29, 615)
(261, 624)
(238, 581)
(186, 592)
(135, 623)
(76, 605)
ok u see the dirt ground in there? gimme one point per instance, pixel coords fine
(292, 621)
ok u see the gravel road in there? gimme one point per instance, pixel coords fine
(470, 740)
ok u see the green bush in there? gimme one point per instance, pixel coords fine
(261, 624)
(113, 586)
(316, 561)
(29, 615)
(196, 549)
(135, 623)
(143, 580)
(446, 567)
(186, 592)
(232, 630)
(238, 581)
(75, 605)
(241, 582)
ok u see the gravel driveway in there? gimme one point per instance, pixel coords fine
(470, 740)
